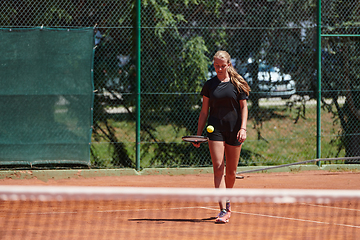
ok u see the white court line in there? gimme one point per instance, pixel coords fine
(110, 211)
(214, 209)
(316, 205)
(49, 213)
(293, 219)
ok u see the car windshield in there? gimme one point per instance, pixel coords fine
(266, 68)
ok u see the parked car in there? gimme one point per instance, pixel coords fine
(271, 82)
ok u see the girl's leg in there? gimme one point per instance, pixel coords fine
(232, 154)
(217, 156)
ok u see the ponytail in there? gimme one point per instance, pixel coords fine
(238, 80)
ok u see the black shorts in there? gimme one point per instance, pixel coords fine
(227, 137)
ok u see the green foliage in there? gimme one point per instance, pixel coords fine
(281, 137)
(341, 73)
(179, 39)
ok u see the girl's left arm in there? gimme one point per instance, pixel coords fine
(244, 116)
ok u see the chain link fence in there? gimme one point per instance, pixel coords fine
(272, 45)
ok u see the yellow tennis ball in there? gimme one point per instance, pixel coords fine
(210, 129)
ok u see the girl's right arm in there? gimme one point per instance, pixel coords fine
(202, 118)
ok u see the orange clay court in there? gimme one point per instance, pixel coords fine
(185, 220)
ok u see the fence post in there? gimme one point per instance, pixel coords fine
(138, 76)
(318, 63)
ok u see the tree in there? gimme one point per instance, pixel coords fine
(341, 78)
(179, 39)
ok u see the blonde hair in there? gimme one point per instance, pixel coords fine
(235, 78)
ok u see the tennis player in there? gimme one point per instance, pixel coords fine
(224, 107)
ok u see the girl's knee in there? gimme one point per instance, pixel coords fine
(218, 172)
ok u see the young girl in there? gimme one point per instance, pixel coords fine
(225, 96)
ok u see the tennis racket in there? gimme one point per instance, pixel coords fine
(195, 139)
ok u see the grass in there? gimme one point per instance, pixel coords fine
(285, 140)
(279, 140)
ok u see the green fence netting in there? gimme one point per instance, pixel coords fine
(46, 96)
(273, 45)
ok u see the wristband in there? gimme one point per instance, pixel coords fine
(243, 129)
